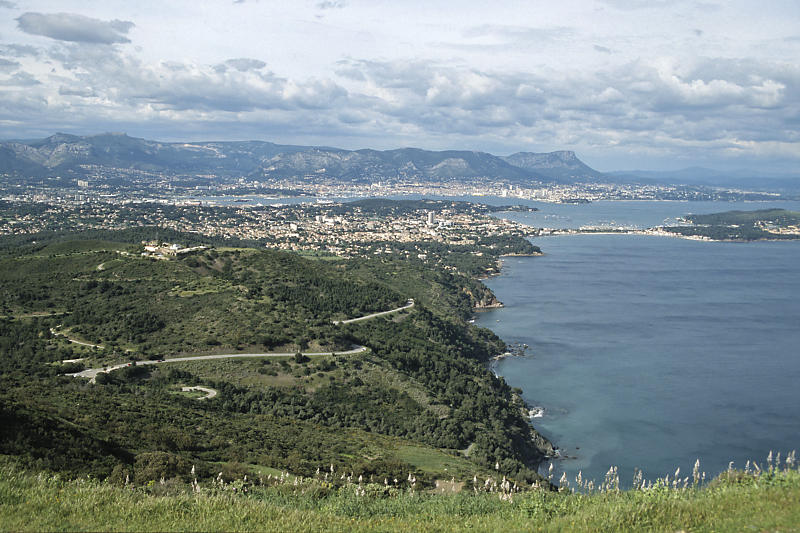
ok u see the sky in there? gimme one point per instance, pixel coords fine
(627, 84)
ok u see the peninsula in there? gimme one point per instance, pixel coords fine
(765, 224)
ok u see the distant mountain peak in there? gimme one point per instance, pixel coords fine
(61, 138)
(560, 165)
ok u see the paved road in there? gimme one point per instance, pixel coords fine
(210, 393)
(54, 332)
(91, 373)
(409, 305)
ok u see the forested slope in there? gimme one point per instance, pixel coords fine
(419, 400)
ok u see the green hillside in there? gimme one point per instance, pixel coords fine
(418, 399)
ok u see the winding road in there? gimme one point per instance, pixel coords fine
(82, 343)
(210, 393)
(91, 373)
(408, 305)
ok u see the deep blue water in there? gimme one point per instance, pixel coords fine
(651, 352)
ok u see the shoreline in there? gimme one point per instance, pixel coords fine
(537, 411)
(544, 445)
(651, 232)
(499, 268)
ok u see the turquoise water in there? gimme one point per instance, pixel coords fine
(651, 352)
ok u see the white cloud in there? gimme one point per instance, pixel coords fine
(20, 79)
(8, 64)
(613, 78)
(331, 4)
(243, 64)
(75, 28)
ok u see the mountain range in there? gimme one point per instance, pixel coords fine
(73, 156)
(64, 153)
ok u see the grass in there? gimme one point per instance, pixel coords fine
(434, 461)
(734, 502)
(318, 255)
(245, 372)
(80, 247)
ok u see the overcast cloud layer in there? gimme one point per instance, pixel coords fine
(625, 83)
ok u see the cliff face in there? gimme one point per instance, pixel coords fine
(543, 445)
(489, 301)
(562, 165)
(482, 297)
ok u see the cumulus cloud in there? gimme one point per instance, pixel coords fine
(7, 5)
(18, 50)
(8, 64)
(662, 106)
(647, 106)
(83, 92)
(75, 28)
(20, 79)
(331, 4)
(239, 85)
(243, 64)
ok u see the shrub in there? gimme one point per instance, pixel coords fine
(152, 466)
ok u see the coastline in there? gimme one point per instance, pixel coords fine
(547, 448)
(652, 232)
(543, 445)
(655, 231)
(498, 270)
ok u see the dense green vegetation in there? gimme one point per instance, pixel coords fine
(33, 242)
(742, 225)
(477, 259)
(420, 400)
(224, 298)
(734, 502)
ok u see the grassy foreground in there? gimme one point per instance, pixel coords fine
(767, 501)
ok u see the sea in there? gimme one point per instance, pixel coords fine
(647, 352)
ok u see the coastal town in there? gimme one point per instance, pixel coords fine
(121, 185)
(342, 229)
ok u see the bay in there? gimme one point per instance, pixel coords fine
(638, 214)
(651, 352)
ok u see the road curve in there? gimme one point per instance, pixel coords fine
(210, 393)
(91, 373)
(58, 334)
(408, 305)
